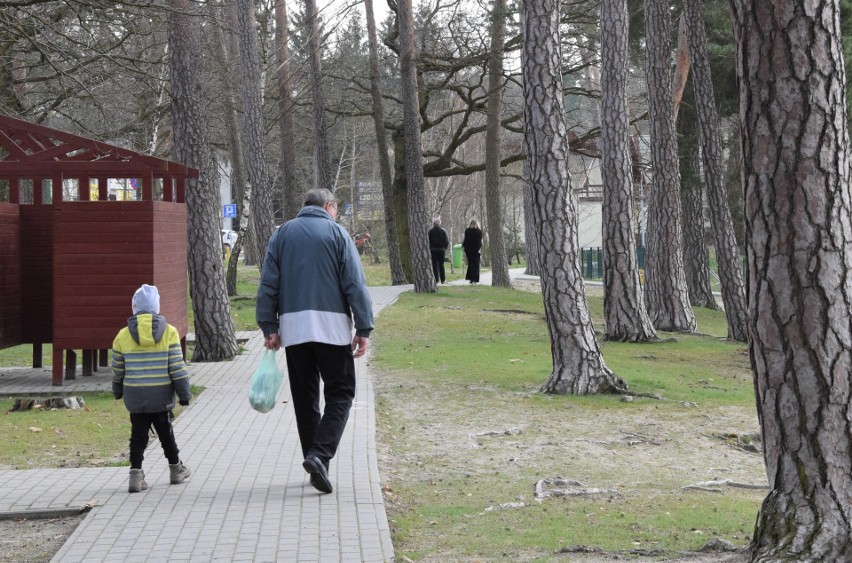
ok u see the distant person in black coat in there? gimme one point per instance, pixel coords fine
(439, 241)
(472, 243)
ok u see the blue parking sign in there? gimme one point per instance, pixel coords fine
(229, 210)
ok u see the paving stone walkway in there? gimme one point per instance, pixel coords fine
(248, 498)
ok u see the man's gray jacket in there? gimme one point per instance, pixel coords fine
(312, 283)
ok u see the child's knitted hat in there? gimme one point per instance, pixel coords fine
(146, 300)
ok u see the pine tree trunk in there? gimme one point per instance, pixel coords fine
(799, 231)
(235, 146)
(665, 281)
(262, 219)
(418, 219)
(530, 236)
(292, 201)
(696, 262)
(681, 70)
(727, 254)
(624, 305)
(247, 247)
(322, 158)
(496, 242)
(214, 330)
(394, 261)
(399, 201)
(578, 367)
(245, 210)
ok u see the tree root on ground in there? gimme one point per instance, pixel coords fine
(46, 403)
(748, 442)
(716, 545)
(560, 487)
(715, 486)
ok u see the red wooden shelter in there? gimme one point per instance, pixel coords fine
(70, 256)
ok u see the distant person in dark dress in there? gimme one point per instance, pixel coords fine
(472, 244)
(439, 242)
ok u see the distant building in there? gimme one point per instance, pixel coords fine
(587, 187)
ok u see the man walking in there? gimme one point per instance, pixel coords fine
(311, 286)
(439, 241)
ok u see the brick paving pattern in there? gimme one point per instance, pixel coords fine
(248, 498)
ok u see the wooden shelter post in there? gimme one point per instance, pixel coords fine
(56, 188)
(103, 188)
(14, 190)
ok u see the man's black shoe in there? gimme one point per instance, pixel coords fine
(319, 474)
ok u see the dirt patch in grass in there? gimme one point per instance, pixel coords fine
(35, 540)
(656, 479)
(458, 462)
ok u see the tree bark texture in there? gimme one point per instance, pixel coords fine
(235, 145)
(321, 154)
(727, 253)
(394, 260)
(400, 202)
(578, 367)
(624, 304)
(418, 218)
(292, 201)
(262, 218)
(665, 281)
(245, 207)
(248, 248)
(796, 170)
(214, 330)
(530, 237)
(696, 263)
(683, 63)
(496, 242)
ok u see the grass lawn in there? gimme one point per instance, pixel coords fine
(465, 434)
(97, 435)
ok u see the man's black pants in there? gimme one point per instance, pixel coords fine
(140, 423)
(320, 433)
(438, 257)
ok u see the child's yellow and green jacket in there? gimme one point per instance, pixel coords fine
(148, 365)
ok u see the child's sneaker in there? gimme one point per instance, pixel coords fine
(178, 473)
(137, 481)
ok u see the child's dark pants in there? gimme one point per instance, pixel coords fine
(140, 424)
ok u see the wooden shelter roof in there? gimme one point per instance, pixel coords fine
(30, 150)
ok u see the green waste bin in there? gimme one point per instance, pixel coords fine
(457, 256)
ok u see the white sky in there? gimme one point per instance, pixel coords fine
(335, 9)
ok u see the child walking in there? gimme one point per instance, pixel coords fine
(148, 369)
